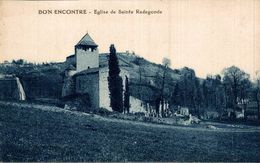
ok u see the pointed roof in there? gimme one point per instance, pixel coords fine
(87, 40)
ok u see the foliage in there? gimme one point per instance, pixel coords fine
(186, 91)
(214, 93)
(38, 80)
(166, 62)
(115, 82)
(236, 82)
(126, 96)
(151, 83)
(102, 111)
(81, 102)
(19, 62)
(255, 94)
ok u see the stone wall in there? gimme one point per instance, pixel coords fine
(71, 60)
(143, 92)
(42, 85)
(86, 59)
(137, 105)
(103, 86)
(11, 89)
(88, 83)
(68, 87)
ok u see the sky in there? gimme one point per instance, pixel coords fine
(205, 35)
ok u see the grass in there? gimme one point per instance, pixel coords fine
(29, 134)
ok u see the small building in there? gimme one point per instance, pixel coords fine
(71, 60)
(184, 111)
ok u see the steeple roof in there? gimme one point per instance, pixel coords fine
(87, 40)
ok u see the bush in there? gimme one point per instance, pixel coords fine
(102, 111)
(81, 102)
(140, 114)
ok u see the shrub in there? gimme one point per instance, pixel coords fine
(79, 101)
(102, 111)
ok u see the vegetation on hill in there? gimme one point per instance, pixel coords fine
(232, 89)
(39, 80)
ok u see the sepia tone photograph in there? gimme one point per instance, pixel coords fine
(130, 81)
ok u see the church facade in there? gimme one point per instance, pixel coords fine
(87, 73)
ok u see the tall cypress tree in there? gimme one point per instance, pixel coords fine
(126, 96)
(115, 82)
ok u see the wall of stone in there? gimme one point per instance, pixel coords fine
(103, 86)
(137, 105)
(71, 60)
(68, 87)
(86, 59)
(144, 92)
(11, 89)
(88, 83)
(42, 85)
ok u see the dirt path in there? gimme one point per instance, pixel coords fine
(202, 127)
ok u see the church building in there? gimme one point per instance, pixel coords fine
(87, 72)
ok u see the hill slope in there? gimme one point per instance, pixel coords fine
(52, 134)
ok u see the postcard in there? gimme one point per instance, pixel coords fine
(124, 81)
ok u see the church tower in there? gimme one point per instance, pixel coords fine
(86, 54)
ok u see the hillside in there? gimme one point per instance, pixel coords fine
(38, 80)
(45, 80)
(145, 76)
(140, 66)
(37, 133)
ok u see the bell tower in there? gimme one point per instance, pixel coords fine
(86, 52)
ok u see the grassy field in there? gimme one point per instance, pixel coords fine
(31, 134)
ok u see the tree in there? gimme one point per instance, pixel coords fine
(176, 98)
(115, 82)
(188, 89)
(166, 64)
(199, 98)
(19, 62)
(244, 92)
(256, 93)
(213, 91)
(257, 96)
(126, 96)
(235, 81)
(140, 70)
